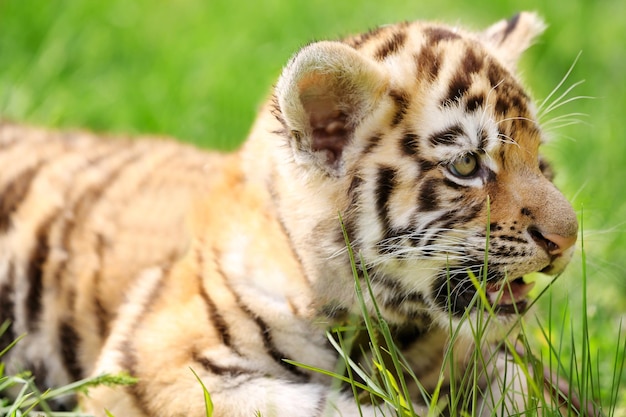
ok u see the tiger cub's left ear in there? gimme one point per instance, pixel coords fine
(510, 38)
(324, 93)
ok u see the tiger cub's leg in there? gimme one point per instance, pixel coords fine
(174, 323)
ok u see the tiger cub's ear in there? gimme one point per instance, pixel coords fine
(324, 93)
(510, 38)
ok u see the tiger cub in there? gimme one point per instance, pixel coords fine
(154, 258)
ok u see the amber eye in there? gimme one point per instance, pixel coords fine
(465, 166)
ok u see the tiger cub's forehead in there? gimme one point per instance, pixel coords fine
(451, 91)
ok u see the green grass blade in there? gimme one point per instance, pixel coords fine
(208, 403)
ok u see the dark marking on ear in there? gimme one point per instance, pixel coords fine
(438, 34)
(391, 45)
(428, 199)
(428, 63)
(401, 100)
(409, 144)
(447, 137)
(511, 24)
(330, 135)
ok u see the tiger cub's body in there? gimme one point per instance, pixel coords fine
(152, 257)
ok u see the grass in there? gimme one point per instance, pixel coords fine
(28, 397)
(198, 70)
(385, 375)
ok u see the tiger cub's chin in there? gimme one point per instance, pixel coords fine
(154, 258)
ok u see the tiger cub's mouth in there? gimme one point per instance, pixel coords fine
(509, 296)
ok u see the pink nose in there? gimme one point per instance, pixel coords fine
(557, 244)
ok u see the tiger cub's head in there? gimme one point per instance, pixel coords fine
(422, 137)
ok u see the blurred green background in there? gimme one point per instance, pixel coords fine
(198, 70)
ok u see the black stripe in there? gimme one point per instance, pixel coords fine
(70, 345)
(14, 193)
(7, 306)
(268, 342)
(446, 137)
(264, 329)
(320, 409)
(391, 46)
(406, 335)
(129, 358)
(81, 209)
(218, 321)
(39, 257)
(35, 271)
(385, 184)
(70, 339)
(401, 99)
(281, 223)
(438, 34)
(409, 144)
(102, 315)
(428, 199)
(473, 103)
(353, 189)
(496, 73)
(461, 217)
(459, 85)
(428, 63)
(426, 165)
(472, 62)
(360, 40)
(137, 391)
(372, 144)
(215, 369)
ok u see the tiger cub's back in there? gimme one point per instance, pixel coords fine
(71, 241)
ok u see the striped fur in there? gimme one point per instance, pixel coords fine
(152, 257)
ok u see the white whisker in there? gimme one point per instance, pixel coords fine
(558, 86)
(555, 106)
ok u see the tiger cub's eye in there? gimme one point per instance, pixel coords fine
(465, 166)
